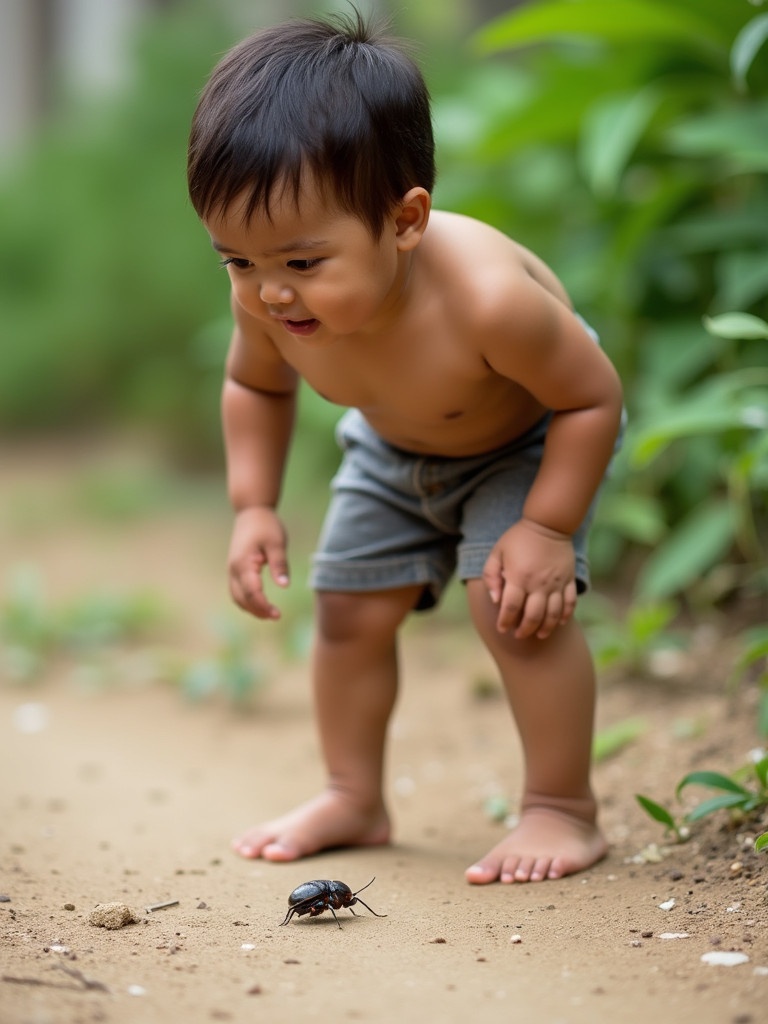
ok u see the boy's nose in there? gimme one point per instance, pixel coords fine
(273, 293)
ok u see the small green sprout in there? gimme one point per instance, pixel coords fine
(231, 670)
(761, 843)
(730, 795)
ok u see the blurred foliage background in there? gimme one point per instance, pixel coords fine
(625, 141)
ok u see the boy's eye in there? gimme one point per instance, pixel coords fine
(302, 265)
(235, 261)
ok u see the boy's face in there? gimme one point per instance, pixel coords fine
(310, 269)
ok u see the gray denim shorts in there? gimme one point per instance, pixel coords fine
(397, 518)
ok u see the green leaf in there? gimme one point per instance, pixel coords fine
(761, 842)
(657, 812)
(715, 780)
(613, 128)
(696, 544)
(609, 20)
(745, 48)
(738, 136)
(635, 516)
(762, 713)
(761, 770)
(717, 803)
(736, 326)
(614, 738)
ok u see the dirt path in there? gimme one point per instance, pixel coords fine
(127, 793)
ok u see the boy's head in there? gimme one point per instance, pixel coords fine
(330, 100)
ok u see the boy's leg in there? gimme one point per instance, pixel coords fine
(551, 688)
(355, 686)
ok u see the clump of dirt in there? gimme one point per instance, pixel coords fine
(112, 916)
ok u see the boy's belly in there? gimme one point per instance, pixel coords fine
(457, 432)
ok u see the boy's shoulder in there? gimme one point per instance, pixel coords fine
(478, 264)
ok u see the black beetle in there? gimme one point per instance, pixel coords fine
(316, 897)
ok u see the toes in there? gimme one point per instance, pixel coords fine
(280, 851)
(482, 873)
(247, 847)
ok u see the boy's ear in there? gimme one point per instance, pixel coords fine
(411, 218)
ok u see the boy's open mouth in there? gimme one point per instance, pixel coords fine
(301, 327)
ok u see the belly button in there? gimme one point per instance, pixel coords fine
(454, 415)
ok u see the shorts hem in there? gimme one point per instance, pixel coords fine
(371, 576)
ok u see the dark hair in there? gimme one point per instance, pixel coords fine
(333, 98)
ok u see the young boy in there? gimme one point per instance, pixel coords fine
(482, 418)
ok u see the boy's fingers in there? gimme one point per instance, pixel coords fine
(278, 567)
(570, 596)
(493, 578)
(248, 591)
(513, 603)
(553, 615)
(533, 615)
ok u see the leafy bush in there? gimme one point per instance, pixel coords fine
(105, 276)
(627, 144)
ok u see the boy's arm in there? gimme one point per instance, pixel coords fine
(531, 574)
(258, 411)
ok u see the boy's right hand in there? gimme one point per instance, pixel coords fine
(258, 540)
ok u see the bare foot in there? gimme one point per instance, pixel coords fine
(546, 844)
(327, 821)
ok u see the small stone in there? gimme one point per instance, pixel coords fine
(68, 906)
(736, 868)
(667, 905)
(516, 939)
(722, 958)
(112, 916)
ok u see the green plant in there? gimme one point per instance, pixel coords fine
(741, 794)
(33, 631)
(754, 655)
(231, 671)
(629, 640)
(624, 145)
(761, 843)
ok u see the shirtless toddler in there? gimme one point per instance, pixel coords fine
(482, 417)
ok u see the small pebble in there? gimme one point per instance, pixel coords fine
(721, 958)
(68, 906)
(112, 916)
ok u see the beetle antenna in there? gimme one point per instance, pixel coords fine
(365, 887)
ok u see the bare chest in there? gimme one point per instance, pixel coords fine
(422, 392)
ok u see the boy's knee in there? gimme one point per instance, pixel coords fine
(345, 615)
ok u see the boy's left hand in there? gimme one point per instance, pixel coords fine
(530, 576)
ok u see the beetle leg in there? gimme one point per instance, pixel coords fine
(368, 908)
(338, 922)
